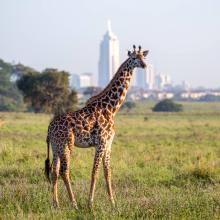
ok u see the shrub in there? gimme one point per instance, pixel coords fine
(128, 105)
(167, 105)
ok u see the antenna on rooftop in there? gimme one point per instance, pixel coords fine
(109, 26)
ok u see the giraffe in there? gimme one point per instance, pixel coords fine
(91, 126)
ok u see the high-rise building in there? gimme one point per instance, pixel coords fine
(85, 80)
(185, 85)
(81, 81)
(109, 57)
(140, 75)
(74, 81)
(150, 80)
(145, 77)
(163, 81)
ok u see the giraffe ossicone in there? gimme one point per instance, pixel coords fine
(91, 126)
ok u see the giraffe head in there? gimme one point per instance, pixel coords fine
(136, 57)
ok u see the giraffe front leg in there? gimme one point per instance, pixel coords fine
(97, 160)
(107, 174)
(55, 174)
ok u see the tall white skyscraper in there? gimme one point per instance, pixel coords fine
(109, 57)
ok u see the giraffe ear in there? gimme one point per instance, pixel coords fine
(145, 53)
(129, 53)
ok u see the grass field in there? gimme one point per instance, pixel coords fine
(165, 166)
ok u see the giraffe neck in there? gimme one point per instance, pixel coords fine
(112, 97)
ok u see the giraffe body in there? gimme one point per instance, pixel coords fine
(91, 126)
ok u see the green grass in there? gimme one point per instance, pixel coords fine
(165, 166)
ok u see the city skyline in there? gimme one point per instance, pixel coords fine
(109, 63)
(183, 37)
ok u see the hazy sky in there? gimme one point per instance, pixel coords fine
(183, 36)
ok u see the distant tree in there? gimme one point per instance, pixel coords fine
(10, 97)
(167, 105)
(5, 71)
(210, 98)
(18, 70)
(48, 91)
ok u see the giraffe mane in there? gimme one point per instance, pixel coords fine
(95, 97)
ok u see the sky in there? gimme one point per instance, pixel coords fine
(183, 36)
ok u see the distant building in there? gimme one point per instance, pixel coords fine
(140, 75)
(74, 81)
(165, 95)
(108, 57)
(185, 85)
(81, 81)
(196, 95)
(193, 95)
(85, 80)
(150, 77)
(144, 78)
(162, 81)
(133, 82)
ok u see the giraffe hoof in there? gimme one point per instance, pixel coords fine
(90, 204)
(55, 205)
(113, 203)
(75, 206)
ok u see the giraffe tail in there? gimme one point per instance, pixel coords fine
(47, 168)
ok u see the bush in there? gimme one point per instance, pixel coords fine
(128, 105)
(167, 105)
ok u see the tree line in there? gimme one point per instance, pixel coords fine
(24, 89)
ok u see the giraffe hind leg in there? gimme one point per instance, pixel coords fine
(64, 172)
(55, 174)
